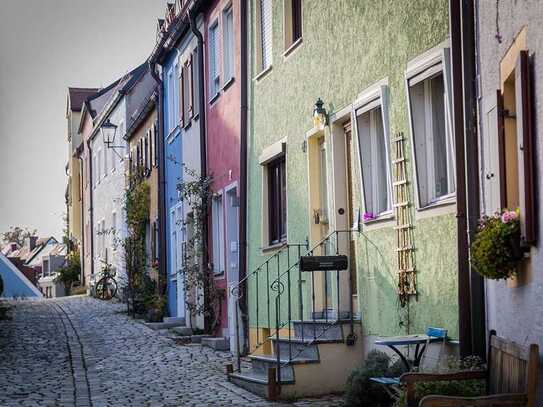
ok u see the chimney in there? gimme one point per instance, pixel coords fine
(31, 242)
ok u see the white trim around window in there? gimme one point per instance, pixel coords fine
(423, 76)
(372, 107)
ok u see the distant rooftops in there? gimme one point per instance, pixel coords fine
(78, 95)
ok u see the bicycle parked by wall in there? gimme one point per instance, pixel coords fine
(106, 287)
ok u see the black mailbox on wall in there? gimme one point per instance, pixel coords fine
(324, 263)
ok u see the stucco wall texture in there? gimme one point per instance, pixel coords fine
(515, 312)
(348, 46)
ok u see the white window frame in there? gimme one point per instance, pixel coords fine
(171, 98)
(218, 224)
(263, 67)
(375, 96)
(214, 61)
(423, 67)
(228, 45)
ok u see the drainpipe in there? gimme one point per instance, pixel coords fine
(162, 261)
(464, 297)
(477, 290)
(202, 112)
(242, 250)
(91, 210)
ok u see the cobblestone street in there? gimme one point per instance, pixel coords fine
(83, 352)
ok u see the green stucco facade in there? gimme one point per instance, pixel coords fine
(347, 46)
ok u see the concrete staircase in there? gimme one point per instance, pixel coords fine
(316, 360)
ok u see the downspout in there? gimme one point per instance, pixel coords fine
(477, 289)
(91, 210)
(243, 170)
(464, 300)
(203, 149)
(162, 262)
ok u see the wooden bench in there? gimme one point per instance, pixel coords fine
(511, 378)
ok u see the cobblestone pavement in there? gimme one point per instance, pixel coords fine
(79, 351)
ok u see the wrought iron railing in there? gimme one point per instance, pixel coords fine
(277, 279)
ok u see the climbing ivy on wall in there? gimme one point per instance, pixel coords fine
(202, 295)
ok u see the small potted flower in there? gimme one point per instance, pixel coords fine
(496, 251)
(368, 216)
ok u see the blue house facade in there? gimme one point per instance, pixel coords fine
(181, 153)
(13, 283)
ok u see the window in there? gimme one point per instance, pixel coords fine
(99, 165)
(228, 44)
(264, 34)
(373, 148)
(292, 22)
(431, 127)
(114, 222)
(171, 98)
(146, 152)
(218, 235)
(214, 69)
(277, 200)
(516, 138)
(94, 170)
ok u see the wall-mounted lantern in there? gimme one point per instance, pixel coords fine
(320, 118)
(108, 131)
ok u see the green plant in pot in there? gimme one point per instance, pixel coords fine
(156, 309)
(496, 251)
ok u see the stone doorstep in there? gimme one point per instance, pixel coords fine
(163, 325)
(216, 343)
(182, 330)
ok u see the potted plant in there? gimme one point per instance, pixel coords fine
(156, 308)
(496, 251)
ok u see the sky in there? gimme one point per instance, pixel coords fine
(46, 46)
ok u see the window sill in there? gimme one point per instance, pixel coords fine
(292, 47)
(219, 276)
(214, 98)
(228, 83)
(273, 247)
(263, 73)
(382, 221)
(442, 207)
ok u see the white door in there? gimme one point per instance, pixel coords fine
(177, 257)
(232, 266)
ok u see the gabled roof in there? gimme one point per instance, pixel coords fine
(76, 97)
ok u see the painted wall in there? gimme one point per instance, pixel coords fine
(108, 197)
(74, 191)
(15, 284)
(348, 46)
(182, 152)
(514, 308)
(223, 131)
(86, 130)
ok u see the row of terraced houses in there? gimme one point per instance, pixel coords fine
(377, 132)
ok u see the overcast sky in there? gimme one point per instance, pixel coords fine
(46, 46)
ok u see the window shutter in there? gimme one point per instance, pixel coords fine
(501, 148)
(190, 83)
(155, 137)
(195, 83)
(186, 94)
(266, 32)
(525, 149)
(151, 146)
(182, 95)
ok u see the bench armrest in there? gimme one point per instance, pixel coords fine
(494, 400)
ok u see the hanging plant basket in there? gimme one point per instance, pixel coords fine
(496, 251)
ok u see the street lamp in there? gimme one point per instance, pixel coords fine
(320, 118)
(108, 131)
